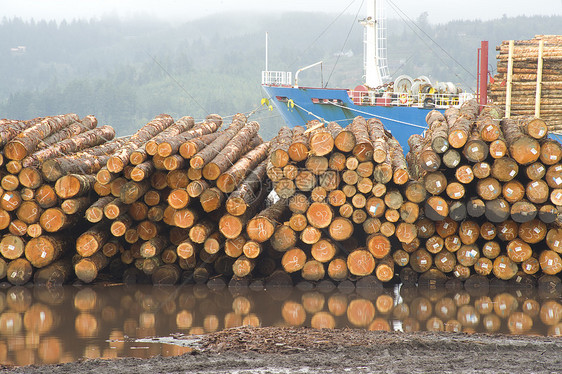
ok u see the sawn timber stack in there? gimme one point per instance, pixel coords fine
(535, 74)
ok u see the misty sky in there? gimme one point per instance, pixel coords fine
(177, 10)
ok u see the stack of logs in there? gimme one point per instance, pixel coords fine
(186, 201)
(349, 201)
(38, 207)
(176, 205)
(526, 68)
(494, 191)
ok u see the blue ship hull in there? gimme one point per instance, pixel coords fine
(336, 105)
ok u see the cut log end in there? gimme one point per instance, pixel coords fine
(360, 262)
(15, 151)
(115, 165)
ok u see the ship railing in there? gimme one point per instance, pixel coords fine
(419, 100)
(276, 78)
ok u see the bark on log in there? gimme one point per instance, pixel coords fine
(321, 141)
(26, 141)
(278, 153)
(262, 226)
(400, 174)
(230, 179)
(378, 140)
(344, 139)
(244, 141)
(10, 129)
(89, 161)
(208, 153)
(75, 128)
(460, 127)
(132, 191)
(44, 250)
(172, 145)
(120, 158)
(363, 149)
(246, 194)
(181, 125)
(523, 148)
(82, 141)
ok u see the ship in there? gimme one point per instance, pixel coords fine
(401, 104)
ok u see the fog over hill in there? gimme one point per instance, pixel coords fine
(127, 70)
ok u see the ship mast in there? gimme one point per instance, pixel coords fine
(374, 45)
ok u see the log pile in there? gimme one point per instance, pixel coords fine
(175, 204)
(38, 207)
(191, 201)
(349, 200)
(525, 72)
(493, 201)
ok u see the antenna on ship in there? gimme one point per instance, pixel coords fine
(266, 50)
(374, 45)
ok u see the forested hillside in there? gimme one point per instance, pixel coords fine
(126, 72)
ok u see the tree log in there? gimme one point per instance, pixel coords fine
(74, 185)
(299, 147)
(181, 125)
(244, 141)
(171, 145)
(120, 158)
(74, 144)
(278, 154)
(262, 226)
(45, 249)
(27, 141)
(523, 148)
(230, 179)
(321, 141)
(92, 240)
(363, 149)
(88, 268)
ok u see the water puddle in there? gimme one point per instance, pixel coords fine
(56, 325)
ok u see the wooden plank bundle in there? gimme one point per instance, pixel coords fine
(536, 72)
(38, 211)
(493, 197)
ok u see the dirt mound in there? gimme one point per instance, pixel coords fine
(304, 350)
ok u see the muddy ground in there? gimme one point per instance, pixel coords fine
(303, 350)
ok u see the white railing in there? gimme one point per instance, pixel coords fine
(420, 100)
(276, 78)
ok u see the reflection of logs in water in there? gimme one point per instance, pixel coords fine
(56, 325)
